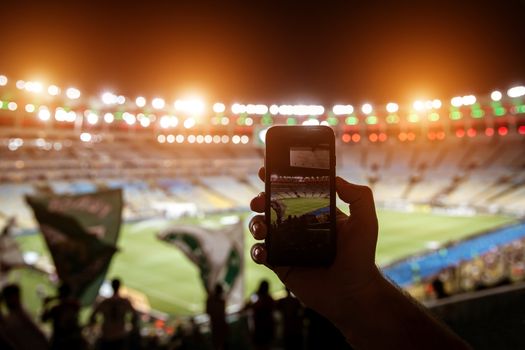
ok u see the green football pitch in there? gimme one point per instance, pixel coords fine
(171, 282)
(301, 206)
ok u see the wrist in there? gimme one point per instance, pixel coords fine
(358, 304)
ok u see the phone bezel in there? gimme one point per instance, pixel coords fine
(326, 134)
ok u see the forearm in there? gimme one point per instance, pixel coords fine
(381, 316)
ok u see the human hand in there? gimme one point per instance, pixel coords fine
(331, 291)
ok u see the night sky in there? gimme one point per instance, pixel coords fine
(331, 52)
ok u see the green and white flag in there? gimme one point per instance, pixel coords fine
(217, 250)
(81, 232)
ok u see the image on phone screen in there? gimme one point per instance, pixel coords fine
(300, 201)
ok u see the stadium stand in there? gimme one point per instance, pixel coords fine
(484, 174)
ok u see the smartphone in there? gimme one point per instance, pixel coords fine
(300, 195)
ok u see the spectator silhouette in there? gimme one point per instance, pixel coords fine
(63, 312)
(21, 331)
(262, 313)
(4, 339)
(215, 308)
(292, 314)
(114, 311)
(10, 255)
(439, 288)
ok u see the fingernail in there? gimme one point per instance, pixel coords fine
(256, 253)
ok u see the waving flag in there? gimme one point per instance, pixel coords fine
(217, 250)
(81, 232)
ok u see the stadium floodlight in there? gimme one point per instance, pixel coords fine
(428, 104)
(248, 121)
(12, 106)
(144, 121)
(44, 114)
(71, 116)
(20, 84)
(53, 90)
(516, 91)
(238, 108)
(208, 139)
(418, 105)
(92, 118)
(219, 107)
(314, 110)
(496, 95)
(109, 117)
(236, 139)
(456, 101)
(60, 114)
(189, 123)
(311, 122)
(199, 139)
(3, 80)
(367, 108)
(165, 121)
(245, 139)
(262, 135)
(259, 109)
(73, 93)
(129, 118)
(158, 103)
(30, 108)
(225, 121)
(33, 86)
(85, 137)
(161, 138)
(392, 107)
(285, 110)
(274, 109)
(179, 138)
(225, 139)
(436, 103)
(121, 100)
(174, 121)
(140, 101)
(191, 138)
(216, 139)
(170, 138)
(192, 106)
(325, 123)
(343, 109)
(468, 100)
(109, 98)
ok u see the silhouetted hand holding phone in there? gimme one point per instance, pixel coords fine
(352, 293)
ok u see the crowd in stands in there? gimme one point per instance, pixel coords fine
(263, 323)
(482, 174)
(502, 265)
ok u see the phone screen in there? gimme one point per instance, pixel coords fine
(300, 174)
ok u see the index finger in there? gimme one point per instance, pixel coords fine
(262, 173)
(360, 198)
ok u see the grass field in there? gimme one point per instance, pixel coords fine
(301, 206)
(172, 283)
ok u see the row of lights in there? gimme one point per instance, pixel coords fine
(195, 106)
(236, 139)
(171, 121)
(431, 135)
